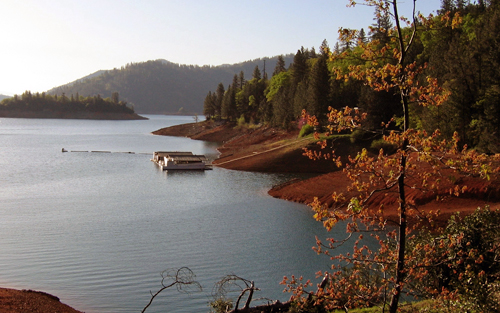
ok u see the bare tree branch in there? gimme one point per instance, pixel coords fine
(182, 279)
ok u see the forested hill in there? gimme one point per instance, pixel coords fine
(161, 86)
(460, 57)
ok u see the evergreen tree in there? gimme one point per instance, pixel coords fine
(381, 29)
(336, 49)
(362, 37)
(235, 84)
(446, 6)
(279, 97)
(299, 72)
(256, 73)
(312, 53)
(219, 93)
(299, 66)
(346, 39)
(209, 106)
(229, 104)
(280, 65)
(242, 80)
(114, 97)
(319, 89)
(324, 49)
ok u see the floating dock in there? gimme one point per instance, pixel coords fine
(179, 160)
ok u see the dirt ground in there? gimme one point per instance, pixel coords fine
(24, 301)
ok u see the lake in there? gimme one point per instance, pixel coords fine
(96, 229)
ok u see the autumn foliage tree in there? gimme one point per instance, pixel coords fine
(381, 275)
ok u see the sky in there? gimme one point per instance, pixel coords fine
(48, 43)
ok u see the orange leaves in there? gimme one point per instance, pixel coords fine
(424, 167)
(456, 21)
(313, 155)
(311, 120)
(346, 119)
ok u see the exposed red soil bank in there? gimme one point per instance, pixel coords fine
(270, 150)
(479, 193)
(23, 301)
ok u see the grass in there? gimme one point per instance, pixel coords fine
(428, 306)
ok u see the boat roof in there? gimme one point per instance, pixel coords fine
(189, 158)
(173, 153)
(181, 156)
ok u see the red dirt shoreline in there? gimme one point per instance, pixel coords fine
(270, 150)
(22, 301)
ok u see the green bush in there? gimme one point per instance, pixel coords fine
(241, 121)
(378, 144)
(220, 305)
(357, 135)
(306, 130)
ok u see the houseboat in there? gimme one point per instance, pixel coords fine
(175, 160)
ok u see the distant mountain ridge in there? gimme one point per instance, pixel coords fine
(162, 87)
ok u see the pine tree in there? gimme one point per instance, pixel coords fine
(319, 89)
(346, 39)
(209, 106)
(279, 97)
(446, 6)
(362, 37)
(242, 80)
(115, 97)
(324, 49)
(280, 65)
(235, 83)
(256, 73)
(381, 29)
(299, 66)
(229, 104)
(219, 93)
(336, 49)
(299, 72)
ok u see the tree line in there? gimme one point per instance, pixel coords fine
(41, 102)
(461, 53)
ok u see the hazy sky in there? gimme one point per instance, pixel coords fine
(48, 43)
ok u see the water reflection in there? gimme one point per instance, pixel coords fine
(96, 229)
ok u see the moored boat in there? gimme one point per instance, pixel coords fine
(178, 160)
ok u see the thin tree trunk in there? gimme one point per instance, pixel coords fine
(402, 238)
(400, 267)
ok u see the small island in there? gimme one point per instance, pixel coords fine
(42, 105)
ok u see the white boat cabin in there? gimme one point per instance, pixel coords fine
(177, 160)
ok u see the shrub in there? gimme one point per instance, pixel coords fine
(241, 121)
(306, 130)
(466, 260)
(382, 144)
(220, 305)
(357, 135)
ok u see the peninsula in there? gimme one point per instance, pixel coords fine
(38, 105)
(266, 149)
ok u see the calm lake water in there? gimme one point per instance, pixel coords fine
(96, 229)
